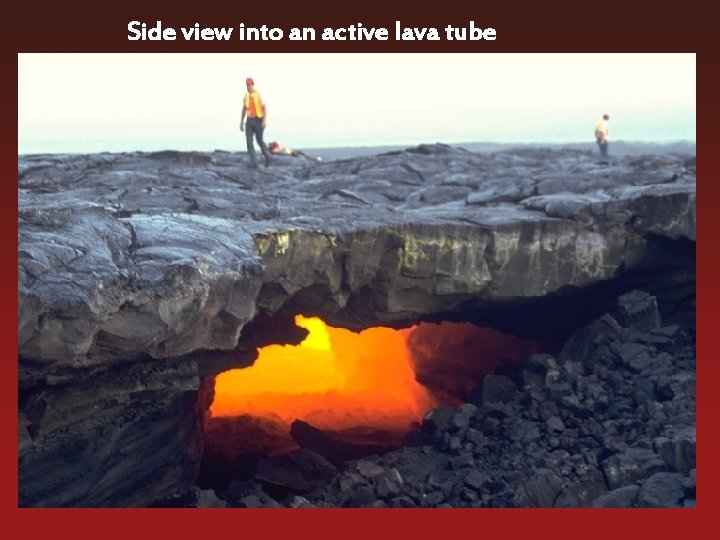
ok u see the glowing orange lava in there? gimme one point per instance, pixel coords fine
(334, 379)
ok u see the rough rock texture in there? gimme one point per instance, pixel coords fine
(141, 274)
(578, 431)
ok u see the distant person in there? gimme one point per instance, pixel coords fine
(277, 148)
(602, 134)
(254, 108)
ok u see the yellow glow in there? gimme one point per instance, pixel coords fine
(334, 379)
(318, 338)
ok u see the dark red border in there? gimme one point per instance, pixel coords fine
(538, 27)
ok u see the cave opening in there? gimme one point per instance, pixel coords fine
(343, 394)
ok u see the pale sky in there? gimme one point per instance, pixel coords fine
(121, 102)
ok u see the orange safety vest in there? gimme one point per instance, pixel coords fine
(253, 104)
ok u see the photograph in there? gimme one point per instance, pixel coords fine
(253, 280)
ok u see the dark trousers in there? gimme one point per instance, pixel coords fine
(254, 128)
(603, 145)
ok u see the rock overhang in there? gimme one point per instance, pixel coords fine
(143, 275)
(115, 241)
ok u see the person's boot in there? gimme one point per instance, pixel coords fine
(268, 161)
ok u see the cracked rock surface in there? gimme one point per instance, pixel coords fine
(166, 253)
(144, 263)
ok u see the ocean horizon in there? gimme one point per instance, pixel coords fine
(347, 149)
(80, 103)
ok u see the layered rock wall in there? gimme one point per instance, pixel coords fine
(138, 271)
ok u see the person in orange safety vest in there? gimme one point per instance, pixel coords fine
(256, 112)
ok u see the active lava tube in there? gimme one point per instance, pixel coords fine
(334, 379)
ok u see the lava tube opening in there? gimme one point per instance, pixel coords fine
(342, 395)
(336, 379)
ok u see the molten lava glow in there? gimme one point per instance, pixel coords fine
(334, 379)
